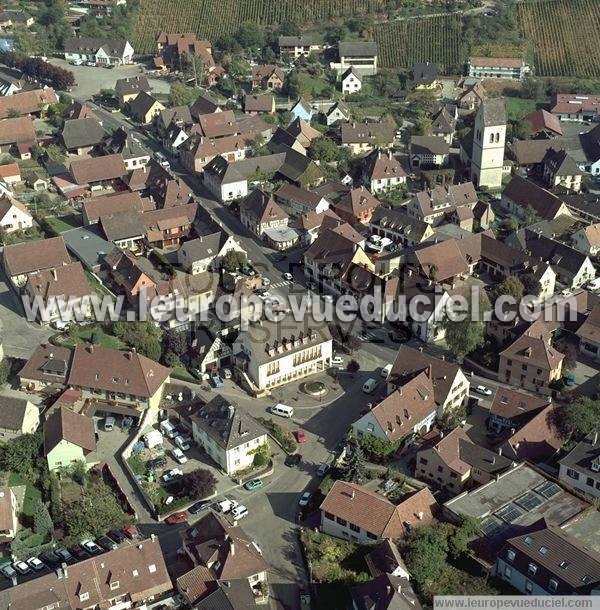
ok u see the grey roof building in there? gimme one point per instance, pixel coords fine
(493, 112)
(88, 245)
(82, 133)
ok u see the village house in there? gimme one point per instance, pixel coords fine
(269, 354)
(124, 229)
(80, 136)
(58, 286)
(17, 136)
(559, 169)
(10, 173)
(302, 110)
(169, 226)
(133, 574)
(47, 366)
(361, 55)
(364, 137)
(14, 215)
(450, 385)
(103, 51)
(206, 252)
(9, 515)
(382, 172)
(144, 107)
(435, 206)
(351, 81)
(107, 205)
(101, 8)
(520, 195)
(259, 104)
(296, 46)
(576, 107)
(591, 148)
(443, 124)
(407, 412)
(259, 212)
(453, 462)
(227, 433)
(129, 147)
(589, 334)
(425, 75)
(531, 362)
(297, 200)
(547, 561)
(127, 89)
(220, 552)
(180, 48)
(21, 260)
(351, 512)
(96, 173)
(427, 152)
(125, 380)
(512, 409)
(472, 96)
(498, 67)
(69, 438)
(357, 206)
(267, 76)
(27, 102)
(587, 239)
(11, 18)
(580, 468)
(543, 124)
(19, 417)
(398, 226)
(337, 112)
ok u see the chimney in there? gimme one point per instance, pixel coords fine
(420, 515)
(91, 348)
(232, 547)
(499, 450)
(65, 570)
(352, 494)
(54, 275)
(595, 441)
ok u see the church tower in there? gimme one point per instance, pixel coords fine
(489, 135)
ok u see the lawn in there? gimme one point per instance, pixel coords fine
(517, 107)
(60, 224)
(97, 285)
(32, 494)
(181, 373)
(102, 338)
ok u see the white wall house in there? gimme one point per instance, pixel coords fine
(14, 216)
(225, 189)
(587, 239)
(351, 81)
(108, 52)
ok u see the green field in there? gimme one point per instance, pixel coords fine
(564, 35)
(436, 39)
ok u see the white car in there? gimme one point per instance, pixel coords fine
(337, 361)
(91, 547)
(288, 276)
(35, 563)
(22, 567)
(178, 456)
(481, 389)
(304, 498)
(8, 571)
(172, 474)
(239, 512)
(182, 443)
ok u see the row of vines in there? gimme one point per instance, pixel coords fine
(213, 18)
(565, 35)
(435, 39)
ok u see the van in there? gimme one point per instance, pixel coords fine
(386, 370)
(282, 410)
(162, 160)
(369, 385)
(109, 424)
(225, 505)
(168, 429)
(239, 512)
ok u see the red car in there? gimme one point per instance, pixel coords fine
(300, 436)
(176, 518)
(130, 531)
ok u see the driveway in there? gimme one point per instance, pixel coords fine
(90, 80)
(18, 336)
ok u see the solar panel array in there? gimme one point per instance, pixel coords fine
(491, 526)
(528, 501)
(509, 513)
(548, 489)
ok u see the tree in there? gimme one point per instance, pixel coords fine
(200, 483)
(530, 216)
(569, 351)
(292, 85)
(531, 284)
(20, 454)
(234, 260)
(466, 335)
(423, 126)
(512, 286)
(426, 558)
(182, 95)
(289, 28)
(354, 470)
(175, 341)
(13, 113)
(55, 153)
(459, 539)
(24, 40)
(582, 416)
(42, 522)
(150, 348)
(261, 455)
(324, 149)
(353, 367)
(250, 36)
(377, 449)
(451, 418)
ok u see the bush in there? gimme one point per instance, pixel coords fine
(378, 450)
(283, 437)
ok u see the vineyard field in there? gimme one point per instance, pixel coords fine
(564, 35)
(212, 18)
(436, 39)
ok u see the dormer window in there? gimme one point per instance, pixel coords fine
(510, 555)
(544, 550)
(152, 568)
(596, 464)
(83, 597)
(532, 569)
(564, 565)
(114, 585)
(552, 585)
(528, 540)
(135, 573)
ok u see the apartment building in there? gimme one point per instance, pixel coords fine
(498, 67)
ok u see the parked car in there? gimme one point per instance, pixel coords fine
(226, 505)
(216, 380)
(247, 270)
(117, 535)
(130, 531)
(254, 484)
(35, 563)
(288, 276)
(199, 507)
(106, 543)
(182, 444)
(50, 558)
(8, 571)
(322, 469)
(76, 550)
(176, 518)
(239, 512)
(227, 374)
(21, 567)
(179, 456)
(304, 499)
(109, 424)
(127, 423)
(172, 474)
(481, 389)
(293, 460)
(91, 547)
(300, 436)
(337, 361)
(63, 554)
